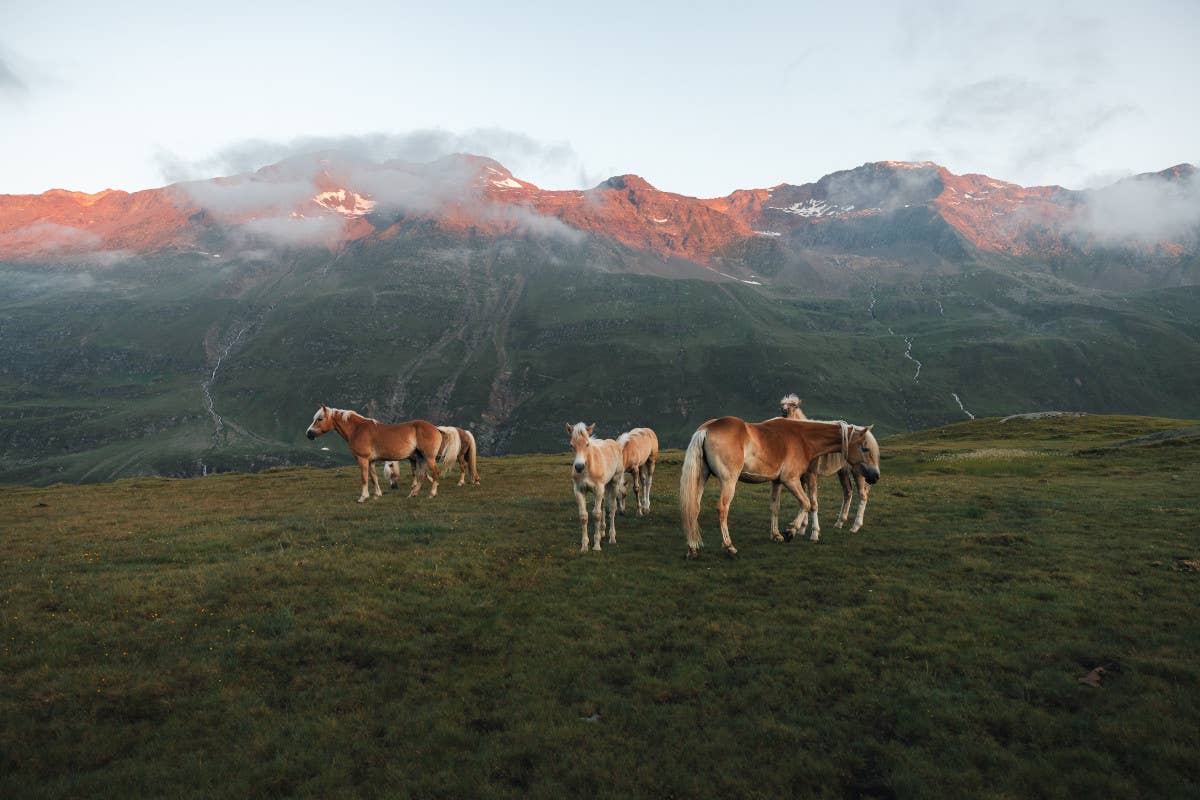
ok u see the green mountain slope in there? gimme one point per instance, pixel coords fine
(185, 364)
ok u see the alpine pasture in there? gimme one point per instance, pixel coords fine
(265, 635)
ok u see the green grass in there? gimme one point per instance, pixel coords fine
(265, 635)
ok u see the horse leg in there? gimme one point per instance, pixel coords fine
(847, 495)
(649, 467)
(728, 487)
(418, 476)
(622, 491)
(863, 490)
(640, 493)
(639, 488)
(598, 517)
(462, 468)
(610, 497)
(365, 465)
(776, 489)
(375, 477)
(800, 522)
(431, 463)
(812, 496)
(581, 500)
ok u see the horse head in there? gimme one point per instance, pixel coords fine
(789, 407)
(862, 453)
(581, 440)
(322, 422)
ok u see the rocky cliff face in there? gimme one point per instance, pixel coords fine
(327, 200)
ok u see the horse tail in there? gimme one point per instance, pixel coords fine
(691, 487)
(472, 451)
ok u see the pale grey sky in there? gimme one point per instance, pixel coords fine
(699, 98)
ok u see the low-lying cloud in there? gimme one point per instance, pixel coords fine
(1143, 209)
(49, 237)
(268, 197)
(294, 231)
(51, 240)
(230, 198)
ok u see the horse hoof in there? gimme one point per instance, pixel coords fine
(731, 551)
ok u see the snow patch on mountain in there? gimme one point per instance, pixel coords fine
(813, 208)
(350, 204)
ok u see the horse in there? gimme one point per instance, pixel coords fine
(777, 450)
(369, 440)
(600, 467)
(639, 449)
(829, 464)
(458, 445)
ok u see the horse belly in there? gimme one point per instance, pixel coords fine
(755, 470)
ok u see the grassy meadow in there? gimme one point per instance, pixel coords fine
(264, 635)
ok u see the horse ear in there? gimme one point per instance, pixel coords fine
(868, 428)
(570, 428)
(591, 428)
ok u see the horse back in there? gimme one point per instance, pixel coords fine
(781, 445)
(405, 439)
(638, 446)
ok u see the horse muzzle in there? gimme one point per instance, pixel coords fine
(579, 466)
(871, 475)
(309, 433)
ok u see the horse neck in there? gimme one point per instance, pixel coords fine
(832, 437)
(346, 424)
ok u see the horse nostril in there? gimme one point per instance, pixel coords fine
(578, 467)
(311, 435)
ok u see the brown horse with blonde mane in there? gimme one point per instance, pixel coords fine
(832, 464)
(639, 450)
(778, 451)
(369, 440)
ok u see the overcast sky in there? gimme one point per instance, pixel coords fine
(699, 98)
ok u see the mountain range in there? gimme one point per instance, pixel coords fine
(196, 326)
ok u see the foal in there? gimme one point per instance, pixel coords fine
(600, 467)
(639, 450)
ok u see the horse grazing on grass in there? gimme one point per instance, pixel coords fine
(417, 441)
(830, 464)
(458, 445)
(639, 449)
(778, 450)
(600, 467)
